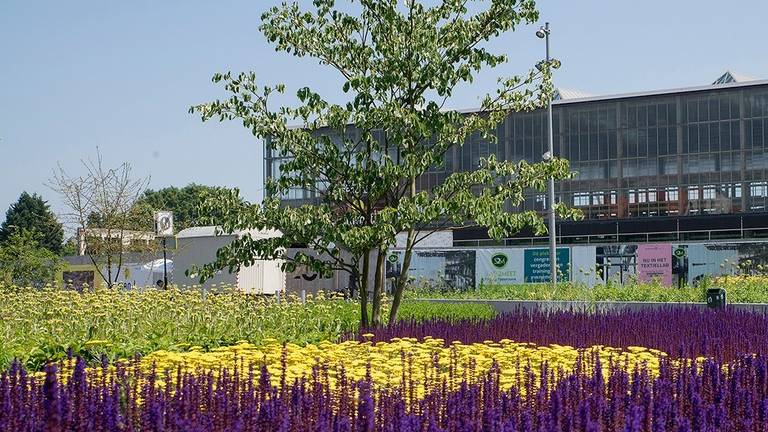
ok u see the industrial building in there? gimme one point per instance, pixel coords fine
(197, 246)
(686, 169)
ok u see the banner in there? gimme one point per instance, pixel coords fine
(537, 266)
(499, 266)
(654, 261)
(584, 266)
(452, 268)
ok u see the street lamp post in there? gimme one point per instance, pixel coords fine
(543, 33)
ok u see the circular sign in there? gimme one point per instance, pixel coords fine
(499, 260)
(679, 252)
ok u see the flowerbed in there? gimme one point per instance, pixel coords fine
(657, 370)
(39, 326)
(404, 360)
(678, 396)
(678, 331)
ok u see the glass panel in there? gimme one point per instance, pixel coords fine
(693, 193)
(653, 145)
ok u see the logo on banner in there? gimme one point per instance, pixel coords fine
(499, 260)
(392, 258)
(679, 252)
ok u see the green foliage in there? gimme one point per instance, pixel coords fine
(740, 289)
(422, 310)
(69, 247)
(31, 213)
(184, 202)
(24, 262)
(41, 325)
(359, 160)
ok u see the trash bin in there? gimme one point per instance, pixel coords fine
(716, 298)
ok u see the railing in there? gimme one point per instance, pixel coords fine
(741, 234)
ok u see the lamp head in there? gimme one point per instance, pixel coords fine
(541, 33)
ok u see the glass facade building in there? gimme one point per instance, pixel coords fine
(685, 164)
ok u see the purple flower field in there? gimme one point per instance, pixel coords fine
(680, 332)
(682, 397)
(727, 391)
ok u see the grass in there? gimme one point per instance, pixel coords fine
(740, 289)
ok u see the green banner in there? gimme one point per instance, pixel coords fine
(537, 266)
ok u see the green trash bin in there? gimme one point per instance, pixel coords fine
(716, 298)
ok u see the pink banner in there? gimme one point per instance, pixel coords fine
(654, 261)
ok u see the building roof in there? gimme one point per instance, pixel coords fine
(212, 231)
(202, 231)
(734, 84)
(563, 94)
(128, 258)
(732, 77)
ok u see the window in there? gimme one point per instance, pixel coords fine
(693, 193)
(731, 190)
(651, 196)
(709, 192)
(322, 185)
(703, 163)
(672, 194)
(758, 189)
(598, 198)
(759, 192)
(581, 199)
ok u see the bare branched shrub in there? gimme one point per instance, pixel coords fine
(101, 205)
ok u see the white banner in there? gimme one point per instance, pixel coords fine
(584, 265)
(503, 266)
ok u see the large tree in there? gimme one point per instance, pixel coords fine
(32, 213)
(359, 161)
(183, 202)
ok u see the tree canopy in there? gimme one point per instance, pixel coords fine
(33, 214)
(24, 262)
(357, 163)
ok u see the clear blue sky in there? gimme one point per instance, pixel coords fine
(120, 75)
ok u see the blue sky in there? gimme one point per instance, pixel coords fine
(120, 76)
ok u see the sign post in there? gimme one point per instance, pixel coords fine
(164, 228)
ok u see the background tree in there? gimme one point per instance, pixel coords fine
(102, 205)
(69, 247)
(400, 64)
(183, 202)
(32, 213)
(24, 262)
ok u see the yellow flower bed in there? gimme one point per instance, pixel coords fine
(389, 363)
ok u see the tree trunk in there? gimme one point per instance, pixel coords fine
(397, 295)
(378, 287)
(109, 271)
(363, 284)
